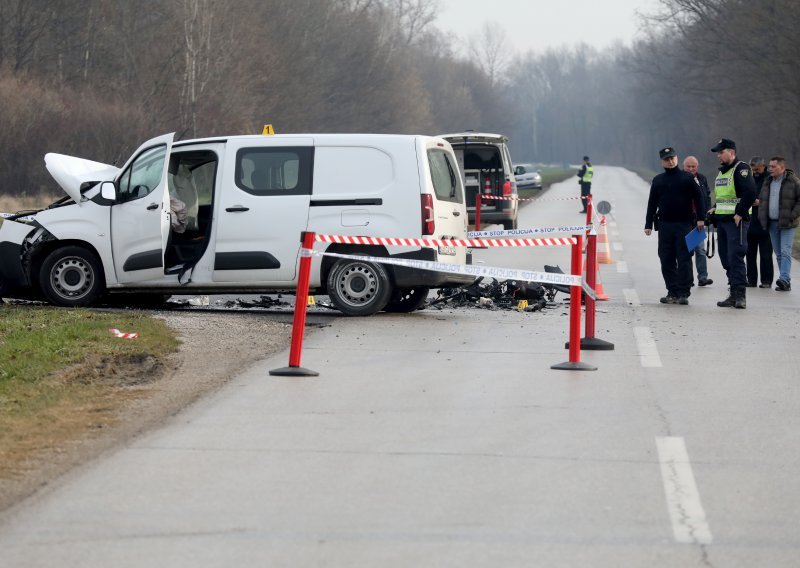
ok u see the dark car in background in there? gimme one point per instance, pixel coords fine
(528, 176)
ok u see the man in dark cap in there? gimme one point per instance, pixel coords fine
(674, 198)
(585, 175)
(734, 194)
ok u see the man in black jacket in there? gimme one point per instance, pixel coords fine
(734, 194)
(674, 197)
(758, 241)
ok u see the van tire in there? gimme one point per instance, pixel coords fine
(358, 288)
(405, 300)
(72, 276)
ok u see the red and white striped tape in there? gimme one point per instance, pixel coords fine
(512, 198)
(477, 243)
(122, 335)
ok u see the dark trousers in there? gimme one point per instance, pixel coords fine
(732, 242)
(586, 189)
(759, 243)
(676, 258)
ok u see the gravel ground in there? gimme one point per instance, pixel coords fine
(216, 346)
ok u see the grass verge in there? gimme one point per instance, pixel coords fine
(63, 374)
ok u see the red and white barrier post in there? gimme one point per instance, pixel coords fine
(574, 363)
(590, 342)
(298, 325)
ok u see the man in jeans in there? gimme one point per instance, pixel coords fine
(690, 166)
(779, 213)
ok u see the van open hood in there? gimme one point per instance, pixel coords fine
(71, 172)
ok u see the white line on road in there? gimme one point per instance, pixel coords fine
(646, 345)
(631, 297)
(622, 266)
(617, 246)
(689, 524)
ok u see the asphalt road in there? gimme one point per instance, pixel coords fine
(443, 438)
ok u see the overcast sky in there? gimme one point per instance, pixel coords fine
(539, 24)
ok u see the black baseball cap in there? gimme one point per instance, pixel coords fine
(724, 144)
(586, 158)
(668, 152)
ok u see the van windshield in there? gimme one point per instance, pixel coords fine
(446, 182)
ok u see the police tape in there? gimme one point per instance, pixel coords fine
(521, 232)
(512, 198)
(477, 243)
(495, 272)
(122, 335)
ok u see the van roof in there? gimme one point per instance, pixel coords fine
(324, 137)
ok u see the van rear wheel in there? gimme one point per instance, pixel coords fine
(71, 276)
(405, 300)
(358, 288)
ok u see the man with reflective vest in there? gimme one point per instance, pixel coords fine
(733, 195)
(585, 180)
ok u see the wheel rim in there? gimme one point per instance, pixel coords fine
(72, 277)
(357, 285)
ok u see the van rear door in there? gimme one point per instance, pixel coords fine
(263, 208)
(443, 181)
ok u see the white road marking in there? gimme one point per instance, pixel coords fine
(631, 297)
(689, 524)
(617, 246)
(622, 266)
(646, 345)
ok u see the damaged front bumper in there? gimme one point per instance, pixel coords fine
(16, 245)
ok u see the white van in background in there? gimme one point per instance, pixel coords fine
(246, 201)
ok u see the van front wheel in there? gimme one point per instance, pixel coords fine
(71, 276)
(358, 288)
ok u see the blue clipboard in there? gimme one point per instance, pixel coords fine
(695, 237)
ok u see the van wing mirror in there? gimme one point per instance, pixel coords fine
(108, 190)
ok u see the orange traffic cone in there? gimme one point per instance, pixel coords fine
(603, 248)
(601, 294)
(598, 287)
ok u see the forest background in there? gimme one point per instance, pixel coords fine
(95, 78)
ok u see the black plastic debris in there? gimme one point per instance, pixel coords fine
(498, 295)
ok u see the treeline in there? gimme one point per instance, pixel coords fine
(704, 69)
(95, 78)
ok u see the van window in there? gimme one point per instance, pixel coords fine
(143, 175)
(446, 183)
(275, 171)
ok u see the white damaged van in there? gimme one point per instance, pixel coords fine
(244, 202)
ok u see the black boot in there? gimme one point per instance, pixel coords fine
(740, 300)
(728, 302)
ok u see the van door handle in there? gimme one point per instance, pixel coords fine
(152, 206)
(236, 209)
(456, 213)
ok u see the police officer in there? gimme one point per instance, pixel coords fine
(674, 197)
(734, 194)
(585, 175)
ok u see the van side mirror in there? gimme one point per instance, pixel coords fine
(108, 191)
